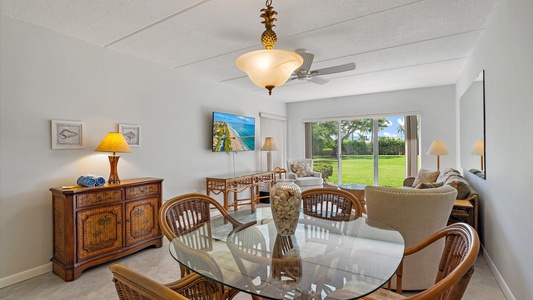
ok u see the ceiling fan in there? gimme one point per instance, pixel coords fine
(304, 72)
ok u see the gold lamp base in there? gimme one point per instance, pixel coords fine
(113, 175)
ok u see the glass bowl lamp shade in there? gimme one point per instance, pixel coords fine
(113, 142)
(269, 68)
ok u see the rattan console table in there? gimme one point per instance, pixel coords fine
(237, 183)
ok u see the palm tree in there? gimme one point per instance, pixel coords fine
(401, 130)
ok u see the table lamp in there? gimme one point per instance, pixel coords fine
(269, 146)
(113, 142)
(437, 148)
(479, 149)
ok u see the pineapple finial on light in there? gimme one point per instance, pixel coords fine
(269, 38)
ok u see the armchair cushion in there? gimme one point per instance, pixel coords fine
(444, 175)
(425, 176)
(460, 184)
(302, 169)
(309, 181)
(425, 185)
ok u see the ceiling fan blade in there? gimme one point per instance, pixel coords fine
(335, 69)
(318, 80)
(308, 61)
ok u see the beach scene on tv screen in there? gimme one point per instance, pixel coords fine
(233, 133)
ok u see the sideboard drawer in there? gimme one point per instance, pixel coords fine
(88, 199)
(142, 191)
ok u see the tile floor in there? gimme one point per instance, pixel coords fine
(95, 283)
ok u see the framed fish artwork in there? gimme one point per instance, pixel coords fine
(67, 134)
(132, 134)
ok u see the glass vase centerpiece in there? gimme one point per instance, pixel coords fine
(285, 202)
(286, 261)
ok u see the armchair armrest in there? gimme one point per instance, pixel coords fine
(317, 174)
(291, 175)
(408, 181)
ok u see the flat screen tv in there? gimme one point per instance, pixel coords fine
(233, 133)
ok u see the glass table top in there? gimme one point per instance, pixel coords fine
(341, 260)
(353, 186)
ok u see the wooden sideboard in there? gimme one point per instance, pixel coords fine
(237, 183)
(94, 225)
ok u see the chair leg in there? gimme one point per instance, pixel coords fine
(399, 274)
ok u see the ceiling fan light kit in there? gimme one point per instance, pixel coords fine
(269, 68)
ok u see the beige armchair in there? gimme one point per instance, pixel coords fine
(301, 170)
(416, 214)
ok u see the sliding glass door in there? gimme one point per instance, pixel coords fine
(357, 158)
(391, 152)
(366, 151)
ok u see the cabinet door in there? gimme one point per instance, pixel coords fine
(141, 220)
(99, 231)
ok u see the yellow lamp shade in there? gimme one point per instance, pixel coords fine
(113, 142)
(269, 68)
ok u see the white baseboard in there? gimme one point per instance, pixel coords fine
(16, 278)
(498, 276)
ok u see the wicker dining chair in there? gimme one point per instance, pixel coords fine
(455, 268)
(131, 285)
(189, 212)
(334, 205)
(330, 204)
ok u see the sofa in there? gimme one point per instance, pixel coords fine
(301, 170)
(466, 205)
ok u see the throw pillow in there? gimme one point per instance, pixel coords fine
(302, 169)
(425, 176)
(461, 185)
(426, 185)
(447, 173)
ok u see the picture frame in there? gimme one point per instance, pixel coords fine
(67, 134)
(132, 134)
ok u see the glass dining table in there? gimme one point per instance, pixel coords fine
(337, 260)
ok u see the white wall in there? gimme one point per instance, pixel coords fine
(505, 52)
(436, 105)
(45, 76)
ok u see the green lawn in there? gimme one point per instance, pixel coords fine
(360, 169)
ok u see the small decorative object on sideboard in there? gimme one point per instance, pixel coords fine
(285, 201)
(94, 225)
(90, 180)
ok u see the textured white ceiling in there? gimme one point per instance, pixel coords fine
(396, 45)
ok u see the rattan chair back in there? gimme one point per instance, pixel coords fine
(457, 261)
(279, 173)
(131, 285)
(331, 204)
(189, 212)
(185, 213)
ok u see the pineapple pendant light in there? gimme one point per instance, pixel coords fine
(269, 68)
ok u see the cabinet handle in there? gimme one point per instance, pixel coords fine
(99, 199)
(119, 222)
(127, 220)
